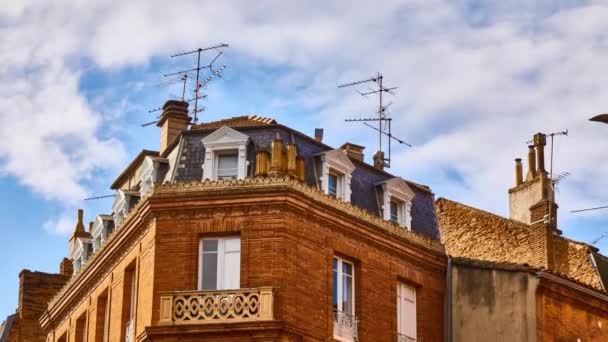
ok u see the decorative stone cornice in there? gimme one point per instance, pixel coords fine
(270, 184)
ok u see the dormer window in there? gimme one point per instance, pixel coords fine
(225, 154)
(150, 173)
(397, 202)
(227, 164)
(102, 228)
(336, 174)
(123, 203)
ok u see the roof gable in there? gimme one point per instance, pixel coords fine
(398, 185)
(340, 160)
(225, 136)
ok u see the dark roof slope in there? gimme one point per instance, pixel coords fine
(5, 327)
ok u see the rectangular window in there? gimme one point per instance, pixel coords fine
(81, 328)
(220, 263)
(129, 303)
(227, 165)
(395, 211)
(332, 184)
(345, 322)
(406, 313)
(102, 318)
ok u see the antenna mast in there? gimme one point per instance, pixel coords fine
(198, 69)
(382, 118)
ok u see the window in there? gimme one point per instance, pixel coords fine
(397, 202)
(225, 154)
(395, 206)
(336, 174)
(345, 322)
(227, 165)
(81, 328)
(332, 184)
(128, 303)
(406, 313)
(220, 263)
(102, 318)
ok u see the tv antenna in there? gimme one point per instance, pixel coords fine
(198, 85)
(605, 234)
(383, 120)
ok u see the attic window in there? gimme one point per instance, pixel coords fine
(336, 174)
(227, 164)
(225, 154)
(397, 202)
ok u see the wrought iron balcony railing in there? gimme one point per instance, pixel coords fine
(223, 306)
(345, 326)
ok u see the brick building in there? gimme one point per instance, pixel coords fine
(518, 278)
(247, 230)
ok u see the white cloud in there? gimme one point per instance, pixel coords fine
(476, 80)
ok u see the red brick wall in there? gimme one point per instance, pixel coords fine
(35, 291)
(564, 315)
(292, 251)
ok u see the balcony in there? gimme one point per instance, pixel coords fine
(223, 306)
(345, 326)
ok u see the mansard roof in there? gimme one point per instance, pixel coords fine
(236, 121)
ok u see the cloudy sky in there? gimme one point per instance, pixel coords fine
(476, 80)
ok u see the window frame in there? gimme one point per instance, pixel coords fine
(224, 139)
(216, 168)
(340, 284)
(220, 262)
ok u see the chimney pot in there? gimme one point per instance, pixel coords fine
(379, 160)
(531, 164)
(540, 140)
(353, 151)
(173, 120)
(518, 172)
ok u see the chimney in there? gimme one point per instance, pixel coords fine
(379, 160)
(173, 120)
(261, 163)
(532, 201)
(276, 157)
(354, 151)
(518, 172)
(300, 168)
(291, 160)
(319, 134)
(540, 140)
(531, 164)
(79, 231)
(66, 267)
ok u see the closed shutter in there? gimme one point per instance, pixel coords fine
(406, 311)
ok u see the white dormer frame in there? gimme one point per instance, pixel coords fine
(337, 162)
(223, 140)
(122, 206)
(99, 233)
(80, 254)
(398, 190)
(148, 173)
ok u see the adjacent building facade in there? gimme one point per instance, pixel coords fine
(518, 278)
(247, 230)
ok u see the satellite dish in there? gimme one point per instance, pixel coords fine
(600, 118)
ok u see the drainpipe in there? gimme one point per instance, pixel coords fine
(448, 319)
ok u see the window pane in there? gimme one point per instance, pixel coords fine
(227, 165)
(209, 270)
(347, 268)
(209, 245)
(394, 211)
(232, 270)
(347, 294)
(332, 185)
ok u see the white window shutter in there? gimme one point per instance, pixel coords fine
(406, 311)
(232, 263)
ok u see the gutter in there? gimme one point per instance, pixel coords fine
(448, 305)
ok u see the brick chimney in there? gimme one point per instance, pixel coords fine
(173, 120)
(532, 200)
(354, 151)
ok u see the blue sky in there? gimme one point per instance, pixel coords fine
(476, 79)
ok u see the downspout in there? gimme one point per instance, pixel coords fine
(448, 323)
